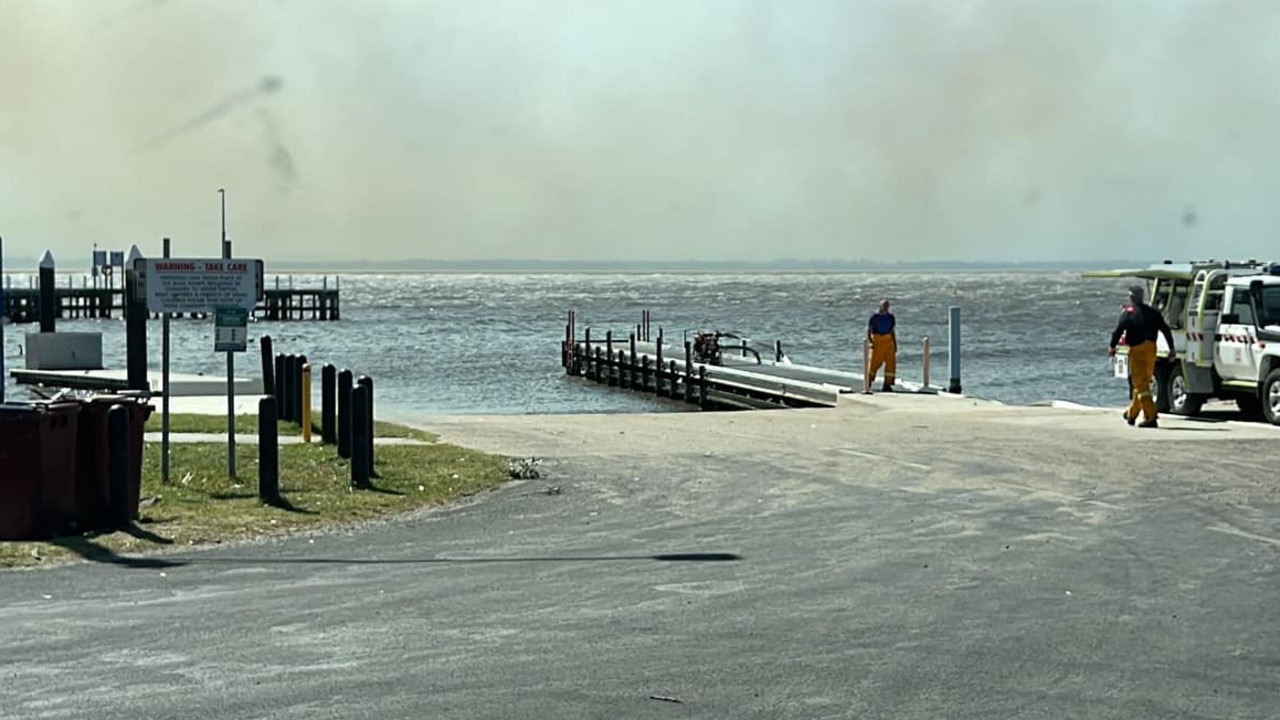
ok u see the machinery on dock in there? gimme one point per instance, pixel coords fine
(1225, 318)
(709, 349)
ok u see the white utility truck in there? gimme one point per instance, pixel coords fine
(1225, 318)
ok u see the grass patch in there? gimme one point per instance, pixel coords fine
(201, 505)
(248, 425)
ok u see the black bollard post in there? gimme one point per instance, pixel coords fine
(268, 366)
(278, 374)
(135, 324)
(360, 427)
(285, 388)
(118, 467)
(328, 413)
(48, 299)
(295, 393)
(366, 382)
(344, 414)
(268, 450)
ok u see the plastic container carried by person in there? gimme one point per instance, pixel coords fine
(37, 469)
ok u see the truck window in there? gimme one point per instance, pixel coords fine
(1177, 304)
(1160, 294)
(1214, 301)
(1241, 306)
(1270, 309)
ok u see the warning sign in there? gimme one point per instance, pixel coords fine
(175, 285)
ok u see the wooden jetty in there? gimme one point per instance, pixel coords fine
(22, 305)
(711, 375)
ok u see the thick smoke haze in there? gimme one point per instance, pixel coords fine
(654, 129)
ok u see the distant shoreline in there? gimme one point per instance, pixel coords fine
(527, 267)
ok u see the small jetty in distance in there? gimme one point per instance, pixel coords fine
(100, 294)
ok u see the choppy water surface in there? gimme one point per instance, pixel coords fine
(489, 343)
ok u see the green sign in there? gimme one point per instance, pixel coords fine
(230, 329)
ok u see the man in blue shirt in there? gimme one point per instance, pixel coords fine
(1141, 325)
(884, 346)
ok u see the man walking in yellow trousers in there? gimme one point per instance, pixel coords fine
(1141, 324)
(884, 346)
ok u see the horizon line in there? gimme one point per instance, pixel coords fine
(521, 264)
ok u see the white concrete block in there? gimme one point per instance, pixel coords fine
(64, 351)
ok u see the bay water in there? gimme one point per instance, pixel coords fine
(465, 343)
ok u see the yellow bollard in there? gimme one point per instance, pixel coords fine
(306, 403)
(866, 366)
(926, 362)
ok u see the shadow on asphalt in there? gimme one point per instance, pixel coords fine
(92, 551)
(671, 557)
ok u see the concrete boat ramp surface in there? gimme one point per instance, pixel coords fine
(895, 557)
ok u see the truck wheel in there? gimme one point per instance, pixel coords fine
(1180, 403)
(1271, 397)
(1160, 387)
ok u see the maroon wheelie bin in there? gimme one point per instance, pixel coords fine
(37, 469)
(93, 483)
(93, 492)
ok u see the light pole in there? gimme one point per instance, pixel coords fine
(226, 249)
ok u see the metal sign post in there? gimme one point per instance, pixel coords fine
(164, 379)
(231, 358)
(231, 335)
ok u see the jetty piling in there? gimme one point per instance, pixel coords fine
(925, 362)
(953, 348)
(48, 283)
(135, 318)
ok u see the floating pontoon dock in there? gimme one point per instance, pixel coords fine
(735, 376)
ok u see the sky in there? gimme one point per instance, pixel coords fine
(894, 130)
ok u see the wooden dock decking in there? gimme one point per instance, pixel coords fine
(22, 305)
